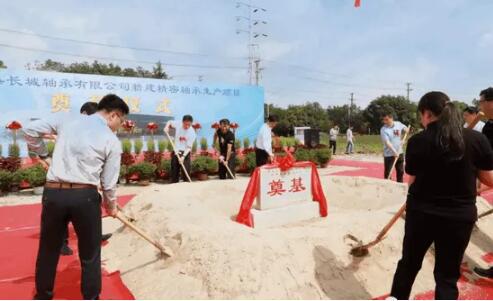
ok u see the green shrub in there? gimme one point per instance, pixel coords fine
(204, 164)
(250, 162)
(36, 176)
(216, 145)
(151, 145)
(303, 154)
(14, 151)
(138, 145)
(126, 146)
(6, 178)
(165, 166)
(169, 146)
(1, 153)
(237, 143)
(204, 146)
(144, 170)
(322, 156)
(162, 145)
(246, 142)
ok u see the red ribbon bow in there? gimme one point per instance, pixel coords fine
(14, 125)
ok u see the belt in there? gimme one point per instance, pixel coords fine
(65, 185)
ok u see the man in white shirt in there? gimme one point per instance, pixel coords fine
(391, 135)
(87, 155)
(263, 146)
(349, 138)
(470, 113)
(184, 137)
(333, 138)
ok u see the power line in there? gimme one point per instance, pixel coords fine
(118, 59)
(346, 84)
(109, 45)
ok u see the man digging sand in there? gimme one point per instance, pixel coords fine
(87, 155)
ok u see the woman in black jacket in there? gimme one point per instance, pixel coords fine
(443, 161)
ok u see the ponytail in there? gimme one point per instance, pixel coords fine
(449, 136)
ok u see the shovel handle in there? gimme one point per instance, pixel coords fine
(229, 170)
(176, 154)
(389, 225)
(142, 234)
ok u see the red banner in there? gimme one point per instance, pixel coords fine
(357, 3)
(245, 217)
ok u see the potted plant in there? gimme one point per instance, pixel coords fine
(36, 176)
(129, 126)
(127, 157)
(303, 154)
(13, 162)
(202, 166)
(21, 179)
(6, 178)
(163, 170)
(151, 155)
(145, 172)
(162, 145)
(169, 147)
(250, 162)
(204, 146)
(138, 145)
(322, 156)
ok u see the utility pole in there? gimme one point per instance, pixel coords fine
(349, 109)
(408, 90)
(257, 71)
(252, 23)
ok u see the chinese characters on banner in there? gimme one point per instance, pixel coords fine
(106, 87)
(279, 189)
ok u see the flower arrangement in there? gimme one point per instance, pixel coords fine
(129, 125)
(197, 126)
(152, 127)
(14, 126)
(215, 125)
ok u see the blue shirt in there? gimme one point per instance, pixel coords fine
(393, 135)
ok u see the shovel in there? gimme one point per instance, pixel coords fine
(176, 154)
(162, 249)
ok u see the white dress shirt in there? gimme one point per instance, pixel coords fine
(86, 151)
(264, 139)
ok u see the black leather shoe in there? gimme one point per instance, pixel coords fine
(66, 251)
(485, 273)
(105, 237)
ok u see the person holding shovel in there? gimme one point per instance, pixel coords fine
(263, 146)
(486, 104)
(184, 137)
(391, 133)
(443, 161)
(227, 151)
(87, 108)
(87, 155)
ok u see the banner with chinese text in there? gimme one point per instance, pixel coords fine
(28, 95)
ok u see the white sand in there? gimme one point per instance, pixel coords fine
(218, 258)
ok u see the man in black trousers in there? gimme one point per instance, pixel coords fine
(87, 155)
(227, 149)
(263, 146)
(87, 108)
(184, 137)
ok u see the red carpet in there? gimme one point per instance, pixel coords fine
(477, 290)
(19, 236)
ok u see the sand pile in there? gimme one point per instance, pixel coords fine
(218, 258)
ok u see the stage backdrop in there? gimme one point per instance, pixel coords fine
(28, 95)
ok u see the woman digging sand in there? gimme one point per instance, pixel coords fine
(443, 162)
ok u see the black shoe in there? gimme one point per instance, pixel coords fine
(485, 273)
(66, 251)
(105, 237)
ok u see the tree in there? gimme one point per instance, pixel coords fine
(101, 69)
(402, 109)
(2, 65)
(340, 115)
(460, 105)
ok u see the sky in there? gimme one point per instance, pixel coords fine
(315, 50)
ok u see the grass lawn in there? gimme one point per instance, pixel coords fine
(365, 144)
